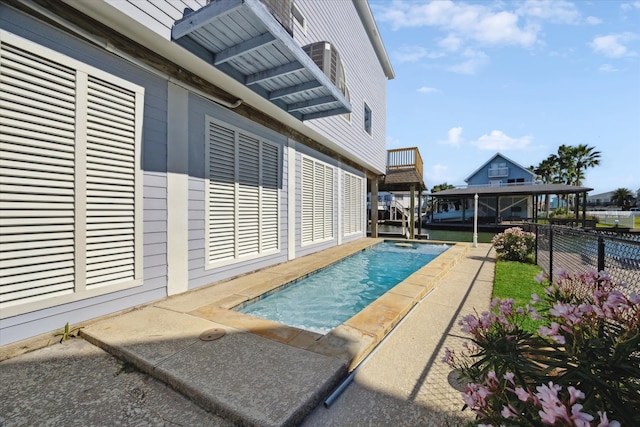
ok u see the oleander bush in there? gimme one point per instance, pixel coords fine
(514, 244)
(580, 368)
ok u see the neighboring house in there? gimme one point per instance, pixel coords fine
(154, 147)
(600, 199)
(499, 171)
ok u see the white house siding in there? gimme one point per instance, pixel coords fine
(154, 184)
(336, 22)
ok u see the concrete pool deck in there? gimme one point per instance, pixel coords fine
(264, 373)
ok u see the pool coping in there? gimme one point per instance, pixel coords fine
(349, 342)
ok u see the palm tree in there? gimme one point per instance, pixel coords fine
(574, 161)
(547, 171)
(622, 197)
(584, 157)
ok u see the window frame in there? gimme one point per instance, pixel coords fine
(367, 119)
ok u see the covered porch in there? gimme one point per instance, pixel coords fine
(502, 205)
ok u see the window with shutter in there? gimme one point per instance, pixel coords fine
(353, 204)
(70, 181)
(242, 194)
(317, 201)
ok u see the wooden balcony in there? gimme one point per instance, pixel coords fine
(404, 167)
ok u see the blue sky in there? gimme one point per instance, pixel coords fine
(517, 77)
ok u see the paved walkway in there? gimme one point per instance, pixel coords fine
(248, 377)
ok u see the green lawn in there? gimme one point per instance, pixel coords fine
(516, 280)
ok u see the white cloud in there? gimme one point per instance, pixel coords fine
(454, 137)
(451, 43)
(425, 89)
(556, 11)
(474, 61)
(608, 68)
(413, 54)
(437, 174)
(498, 140)
(630, 6)
(592, 20)
(479, 23)
(613, 45)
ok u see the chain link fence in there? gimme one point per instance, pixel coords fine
(575, 250)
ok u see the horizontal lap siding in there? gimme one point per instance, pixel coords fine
(154, 185)
(338, 23)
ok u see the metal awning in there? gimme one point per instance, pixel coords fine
(511, 190)
(244, 40)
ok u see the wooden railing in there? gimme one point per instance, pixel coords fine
(404, 158)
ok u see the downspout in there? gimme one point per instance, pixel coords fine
(98, 41)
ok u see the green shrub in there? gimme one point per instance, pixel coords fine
(514, 244)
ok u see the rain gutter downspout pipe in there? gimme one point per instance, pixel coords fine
(338, 391)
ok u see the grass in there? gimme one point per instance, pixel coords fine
(516, 280)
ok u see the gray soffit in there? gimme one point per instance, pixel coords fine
(245, 41)
(512, 190)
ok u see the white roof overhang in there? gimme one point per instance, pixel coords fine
(245, 41)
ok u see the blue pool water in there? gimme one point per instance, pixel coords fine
(328, 298)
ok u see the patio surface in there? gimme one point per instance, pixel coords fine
(265, 373)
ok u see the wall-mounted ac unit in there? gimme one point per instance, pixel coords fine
(327, 58)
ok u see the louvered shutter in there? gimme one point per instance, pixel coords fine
(317, 201)
(242, 195)
(353, 201)
(111, 169)
(357, 203)
(307, 199)
(37, 119)
(221, 204)
(328, 213)
(346, 217)
(248, 196)
(269, 217)
(70, 188)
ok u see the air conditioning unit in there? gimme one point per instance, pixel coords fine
(327, 58)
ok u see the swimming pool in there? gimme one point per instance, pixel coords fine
(329, 297)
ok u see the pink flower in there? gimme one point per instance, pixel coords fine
(522, 394)
(574, 395)
(535, 299)
(508, 411)
(509, 377)
(581, 419)
(552, 332)
(604, 421)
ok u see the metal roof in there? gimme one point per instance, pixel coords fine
(513, 190)
(245, 41)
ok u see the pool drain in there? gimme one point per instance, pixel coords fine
(212, 334)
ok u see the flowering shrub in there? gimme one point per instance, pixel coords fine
(514, 244)
(581, 368)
